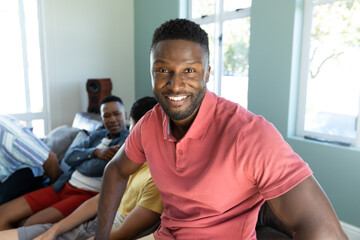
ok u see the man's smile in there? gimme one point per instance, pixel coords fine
(178, 98)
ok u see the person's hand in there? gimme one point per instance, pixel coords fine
(106, 153)
(91, 238)
(48, 235)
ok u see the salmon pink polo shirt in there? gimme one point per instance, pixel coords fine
(214, 180)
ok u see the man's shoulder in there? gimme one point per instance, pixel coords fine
(11, 125)
(104, 133)
(226, 110)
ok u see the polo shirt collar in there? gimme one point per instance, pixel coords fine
(201, 122)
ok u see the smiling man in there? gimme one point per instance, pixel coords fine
(83, 181)
(214, 162)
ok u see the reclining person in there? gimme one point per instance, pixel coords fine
(24, 159)
(83, 181)
(138, 213)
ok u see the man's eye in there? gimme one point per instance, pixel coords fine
(190, 70)
(162, 70)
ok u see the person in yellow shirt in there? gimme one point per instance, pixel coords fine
(138, 214)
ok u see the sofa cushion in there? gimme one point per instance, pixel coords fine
(87, 121)
(60, 139)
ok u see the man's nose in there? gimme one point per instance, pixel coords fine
(176, 82)
(112, 118)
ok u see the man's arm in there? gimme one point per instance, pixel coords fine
(94, 167)
(106, 153)
(113, 187)
(51, 167)
(89, 160)
(77, 154)
(307, 211)
(83, 213)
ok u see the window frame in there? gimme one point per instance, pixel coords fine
(28, 116)
(303, 80)
(218, 19)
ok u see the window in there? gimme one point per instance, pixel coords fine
(227, 23)
(22, 92)
(329, 99)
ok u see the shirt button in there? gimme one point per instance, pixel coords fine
(78, 158)
(180, 152)
(89, 156)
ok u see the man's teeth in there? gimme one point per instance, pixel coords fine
(177, 98)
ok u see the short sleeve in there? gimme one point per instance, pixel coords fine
(29, 149)
(133, 145)
(275, 168)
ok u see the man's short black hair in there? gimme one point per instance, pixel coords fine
(111, 98)
(141, 106)
(181, 29)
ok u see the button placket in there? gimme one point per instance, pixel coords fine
(180, 157)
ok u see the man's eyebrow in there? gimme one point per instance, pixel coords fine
(160, 61)
(193, 62)
(186, 63)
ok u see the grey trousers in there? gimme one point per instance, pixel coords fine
(82, 232)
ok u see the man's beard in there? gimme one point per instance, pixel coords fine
(180, 115)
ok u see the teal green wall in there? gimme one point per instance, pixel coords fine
(148, 16)
(273, 77)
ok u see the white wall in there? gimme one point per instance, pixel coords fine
(86, 39)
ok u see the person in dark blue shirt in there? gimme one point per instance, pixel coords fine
(81, 182)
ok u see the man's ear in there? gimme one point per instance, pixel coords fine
(208, 73)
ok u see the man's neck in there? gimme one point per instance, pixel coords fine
(180, 127)
(178, 131)
(113, 135)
